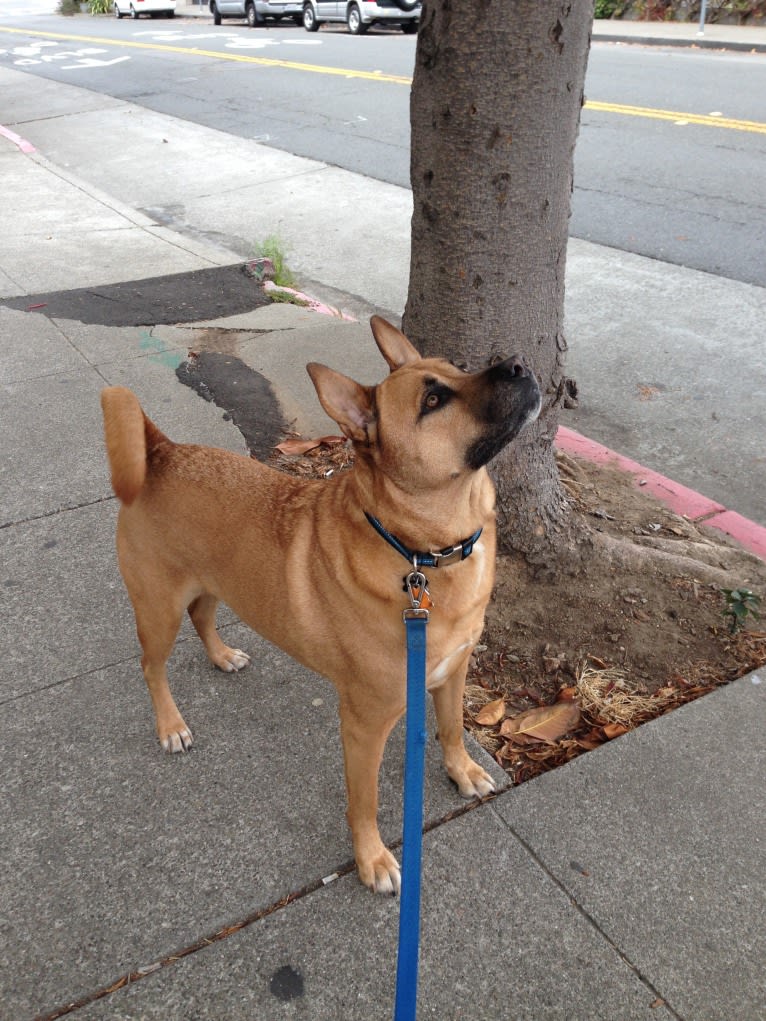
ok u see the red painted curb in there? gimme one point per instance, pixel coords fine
(746, 532)
(17, 140)
(682, 500)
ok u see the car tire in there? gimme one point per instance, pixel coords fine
(134, 13)
(250, 17)
(410, 27)
(354, 21)
(217, 19)
(117, 13)
(310, 22)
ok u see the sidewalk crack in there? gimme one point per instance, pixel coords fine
(58, 510)
(129, 978)
(561, 885)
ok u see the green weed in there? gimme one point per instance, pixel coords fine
(272, 248)
(741, 603)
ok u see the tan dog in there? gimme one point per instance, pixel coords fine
(300, 562)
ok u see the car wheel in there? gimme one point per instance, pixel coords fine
(409, 27)
(134, 13)
(216, 14)
(310, 22)
(117, 12)
(354, 21)
(250, 15)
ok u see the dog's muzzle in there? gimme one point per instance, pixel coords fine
(512, 399)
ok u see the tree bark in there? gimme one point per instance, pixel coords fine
(495, 110)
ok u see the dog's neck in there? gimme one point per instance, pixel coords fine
(424, 521)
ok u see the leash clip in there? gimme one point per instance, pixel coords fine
(417, 589)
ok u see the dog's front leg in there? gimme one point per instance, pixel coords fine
(364, 735)
(472, 781)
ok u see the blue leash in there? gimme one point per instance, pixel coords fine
(415, 620)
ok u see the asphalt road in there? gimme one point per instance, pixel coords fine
(687, 193)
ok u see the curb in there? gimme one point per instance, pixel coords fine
(21, 143)
(700, 43)
(699, 509)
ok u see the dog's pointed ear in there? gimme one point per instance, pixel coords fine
(392, 344)
(346, 402)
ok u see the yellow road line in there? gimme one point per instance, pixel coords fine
(706, 120)
(243, 58)
(676, 117)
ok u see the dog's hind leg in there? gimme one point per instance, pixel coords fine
(202, 613)
(157, 624)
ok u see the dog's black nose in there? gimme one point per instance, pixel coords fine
(511, 368)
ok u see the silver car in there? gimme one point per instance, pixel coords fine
(256, 11)
(360, 14)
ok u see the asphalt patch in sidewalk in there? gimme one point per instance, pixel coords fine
(243, 394)
(159, 300)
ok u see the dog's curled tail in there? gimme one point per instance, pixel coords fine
(130, 436)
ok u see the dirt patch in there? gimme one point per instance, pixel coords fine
(626, 643)
(622, 640)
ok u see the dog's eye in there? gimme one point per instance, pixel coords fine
(436, 396)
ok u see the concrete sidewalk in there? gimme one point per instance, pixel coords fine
(748, 38)
(136, 885)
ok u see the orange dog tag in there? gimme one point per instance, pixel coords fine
(426, 602)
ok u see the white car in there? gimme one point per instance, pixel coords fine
(135, 8)
(255, 12)
(360, 14)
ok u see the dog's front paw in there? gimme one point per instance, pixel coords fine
(177, 740)
(472, 781)
(231, 660)
(381, 873)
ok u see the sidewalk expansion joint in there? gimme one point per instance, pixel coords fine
(131, 977)
(71, 679)
(136, 975)
(58, 510)
(659, 997)
(121, 661)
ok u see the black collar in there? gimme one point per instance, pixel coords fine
(449, 555)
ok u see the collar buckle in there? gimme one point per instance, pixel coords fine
(445, 557)
(451, 555)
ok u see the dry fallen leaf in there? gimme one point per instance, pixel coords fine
(491, 713)
(300, 446)
(612, 730)
(546, 723)
(568, 694)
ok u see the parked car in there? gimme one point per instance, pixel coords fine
(360, 14)
(254, 11)
(137, 7)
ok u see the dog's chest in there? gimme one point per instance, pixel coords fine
(457, 617)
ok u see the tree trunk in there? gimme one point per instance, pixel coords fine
(495, 110)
